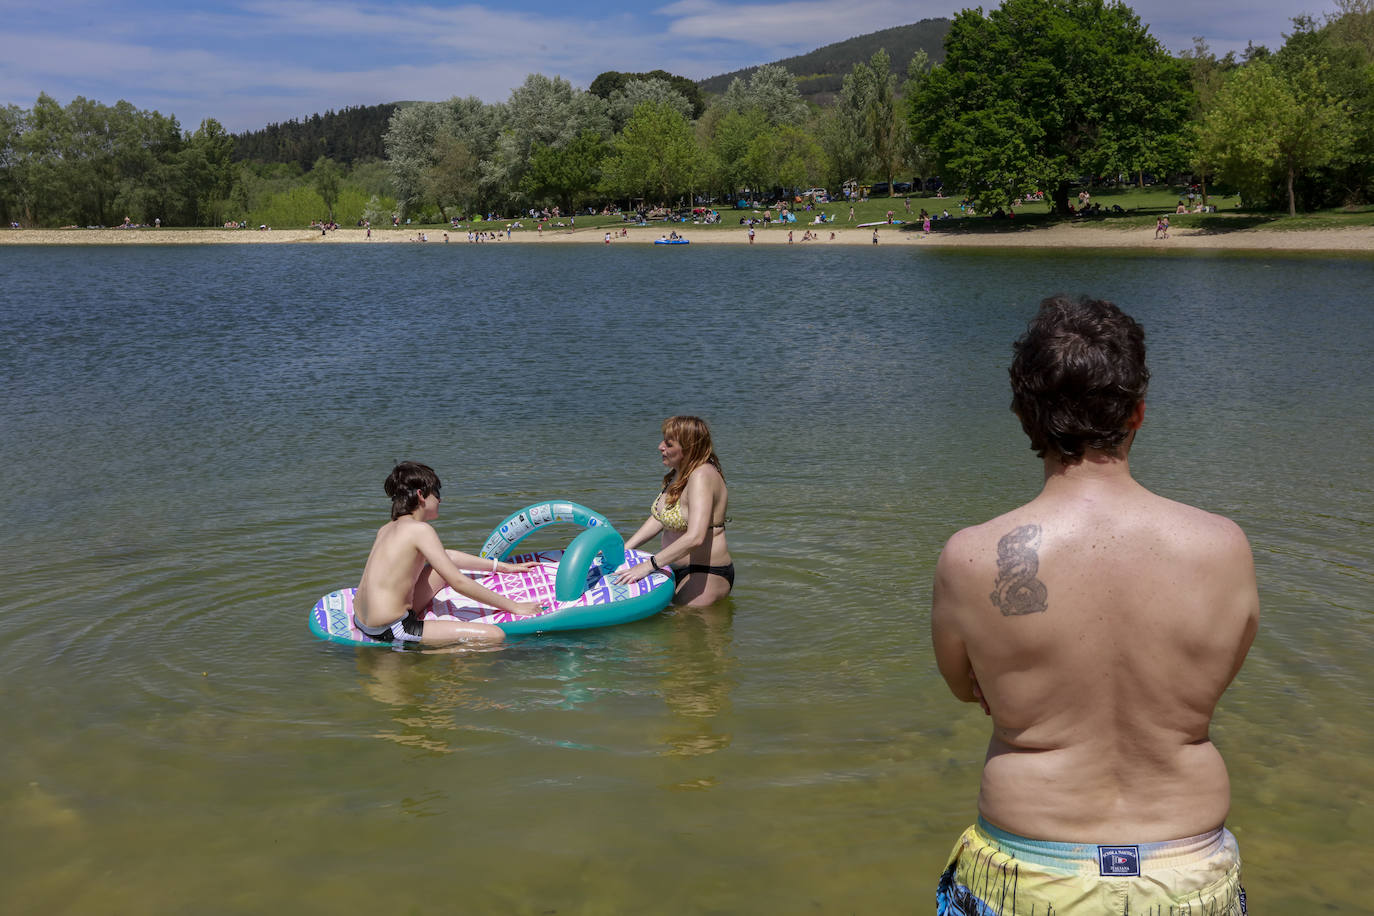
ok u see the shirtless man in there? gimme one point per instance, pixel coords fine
(408, 566)
(1098, 626)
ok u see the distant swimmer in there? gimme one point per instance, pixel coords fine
(1098, 625)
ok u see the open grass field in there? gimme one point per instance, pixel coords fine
(1141, 206)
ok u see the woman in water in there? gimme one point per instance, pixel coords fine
(690, 515)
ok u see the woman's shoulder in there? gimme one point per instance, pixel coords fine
(707, 475)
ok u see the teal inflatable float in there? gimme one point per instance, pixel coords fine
(577, 581)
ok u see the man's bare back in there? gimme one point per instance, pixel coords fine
(1102, 623)
(1098, 625)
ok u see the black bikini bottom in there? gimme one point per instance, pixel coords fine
(726, 572)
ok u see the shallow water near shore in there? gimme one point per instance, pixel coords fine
(194, 440)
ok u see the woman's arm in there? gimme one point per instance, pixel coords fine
(701, 505)
(651, 528)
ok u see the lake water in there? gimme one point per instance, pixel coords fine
(193, 442)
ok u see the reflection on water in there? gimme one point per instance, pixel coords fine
(432, 706)
(195, 441)
(699, 679)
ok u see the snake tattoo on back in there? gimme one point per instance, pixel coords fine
(1017, 590)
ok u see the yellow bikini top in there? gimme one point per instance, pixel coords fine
(672, 517)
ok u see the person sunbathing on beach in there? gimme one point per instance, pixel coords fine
(408, 565)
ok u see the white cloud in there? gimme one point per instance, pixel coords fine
(810, 24)
(250, 62)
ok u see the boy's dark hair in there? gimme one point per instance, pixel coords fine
(405, 484)
(1077, 375)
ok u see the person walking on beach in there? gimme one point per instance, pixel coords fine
(1098, 625)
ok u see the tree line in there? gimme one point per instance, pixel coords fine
(1034, 95)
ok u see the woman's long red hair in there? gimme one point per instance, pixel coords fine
(694, 436)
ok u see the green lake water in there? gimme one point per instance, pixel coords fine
(193, 442)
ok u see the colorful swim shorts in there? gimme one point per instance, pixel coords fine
(995, 873)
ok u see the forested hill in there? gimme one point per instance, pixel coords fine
(345, 136)
(820, 72)
(356, 132)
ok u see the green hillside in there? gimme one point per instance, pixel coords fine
(355, 133)
(820, 72)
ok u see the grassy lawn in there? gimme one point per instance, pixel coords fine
(1141, 206)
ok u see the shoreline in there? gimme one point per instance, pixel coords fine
(1088, 236)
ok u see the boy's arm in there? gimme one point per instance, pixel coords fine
(427, 542)
(486, 565)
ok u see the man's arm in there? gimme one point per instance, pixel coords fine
(951, 655)
(1241, 569)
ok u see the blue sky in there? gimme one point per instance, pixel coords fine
(251, 62)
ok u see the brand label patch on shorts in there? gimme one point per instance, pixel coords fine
(1118, 861)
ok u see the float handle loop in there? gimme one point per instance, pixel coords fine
(581, 554)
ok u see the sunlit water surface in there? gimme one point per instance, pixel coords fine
(194, 440)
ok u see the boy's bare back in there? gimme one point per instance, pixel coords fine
(393, 568)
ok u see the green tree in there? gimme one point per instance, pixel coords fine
(868, 97)
(568, 174)
(839, 131)
(1207, 74)
(1266, 127)
(785, 156)
(1038, 92)
(207, 173)
(912, 150)
(771, 93)
(88, 161)
(728, 144)
(623, 102)
(12, 124)
(412, 148)
(452, 179)
(656, 154)
(607, 84)
(44, 197)
(548, 111)
(327, 178)
(1343, 52)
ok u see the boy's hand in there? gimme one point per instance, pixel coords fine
(531, 608)
(515, 567)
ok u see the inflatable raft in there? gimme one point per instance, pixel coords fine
(577, 582)
(671, 242)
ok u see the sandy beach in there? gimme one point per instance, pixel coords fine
(1057, 236)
